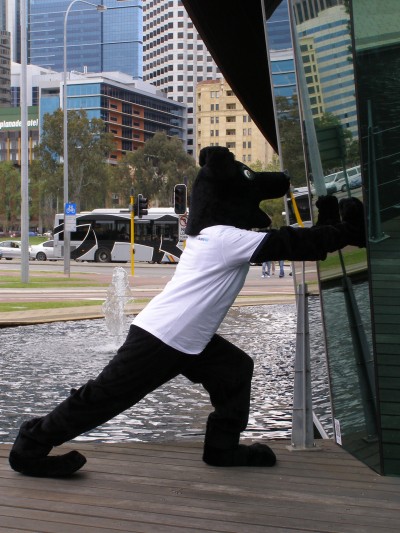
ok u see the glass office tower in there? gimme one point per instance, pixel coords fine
(96, 41)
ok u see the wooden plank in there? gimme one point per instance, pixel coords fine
(148, 487)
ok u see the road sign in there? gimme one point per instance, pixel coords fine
(182, 228)
(70, 217)
(70, 208)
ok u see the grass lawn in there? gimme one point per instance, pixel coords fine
(9, 307)
(11, 281)
(350, 257)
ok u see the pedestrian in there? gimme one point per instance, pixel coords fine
(267, 268)
(281, 269)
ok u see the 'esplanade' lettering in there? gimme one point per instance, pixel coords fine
(32, 123)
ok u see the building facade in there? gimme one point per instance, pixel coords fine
(5, 58)
(96, 41)
(132, 110)
(282, 67)
(5, 69)
(222, 121)
(175, 58)
(325, 43)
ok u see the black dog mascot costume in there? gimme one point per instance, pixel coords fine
(176, 332)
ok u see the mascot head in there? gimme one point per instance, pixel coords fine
(229, 193)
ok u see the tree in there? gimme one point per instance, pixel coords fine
(351, 148)
(10, 196)
(89, 145)
(291, 139)
(154, 170)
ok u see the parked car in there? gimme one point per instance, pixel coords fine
(355, 179)
(336, 181)
(43, 251)
(10, 249)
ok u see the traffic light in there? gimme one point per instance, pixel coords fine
(142, 204)
(180, 199)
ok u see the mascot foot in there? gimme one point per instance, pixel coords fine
(53, 466)
(30, 457)
(253, 455)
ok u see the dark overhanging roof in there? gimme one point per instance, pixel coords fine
(233, 31)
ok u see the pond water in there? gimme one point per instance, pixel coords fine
(41, 363)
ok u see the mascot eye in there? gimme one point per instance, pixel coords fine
(248, 173)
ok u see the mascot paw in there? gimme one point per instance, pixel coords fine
(49, 466)
(253, 455)
(328, 211)
(352, 212)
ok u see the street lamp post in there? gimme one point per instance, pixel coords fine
(24, 153)
(67, 237)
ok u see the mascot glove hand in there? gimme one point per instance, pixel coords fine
(328, 211)
(352, 213)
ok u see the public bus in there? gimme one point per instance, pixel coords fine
(103, 236)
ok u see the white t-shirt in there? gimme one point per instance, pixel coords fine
(211, 272)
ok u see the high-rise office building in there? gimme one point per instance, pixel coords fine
(281, 52)
(10, 21)
(175, 58)
(96, 41)
(223, 121)
(5, 59)
(325, 44)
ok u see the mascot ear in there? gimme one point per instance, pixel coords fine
(217, 161)
(215, 154)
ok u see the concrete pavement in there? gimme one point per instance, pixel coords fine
(256, 291)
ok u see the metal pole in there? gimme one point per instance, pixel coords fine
(24, 154)
(67, 236)
(302, 419)
(132, 232)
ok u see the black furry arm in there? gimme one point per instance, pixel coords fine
(303, 244)
(313, 244)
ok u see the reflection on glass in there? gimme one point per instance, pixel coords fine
(377, 53)
(319, 115)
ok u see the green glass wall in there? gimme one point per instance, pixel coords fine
(376, 27)
(347, 57)
(324, 52)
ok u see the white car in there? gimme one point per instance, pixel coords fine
(10, 249)
(337, 182)
(43, 251)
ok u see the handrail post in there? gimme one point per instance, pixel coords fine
(302, 416)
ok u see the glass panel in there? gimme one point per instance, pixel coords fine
(377, 52)
(327, 129)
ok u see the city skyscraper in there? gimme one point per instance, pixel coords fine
(5, 59)
(175, 58)
(96, 41)
(281, 52)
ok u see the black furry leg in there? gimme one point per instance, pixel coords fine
(141, 365)
(30, 457)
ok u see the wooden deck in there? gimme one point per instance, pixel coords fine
(164, 488)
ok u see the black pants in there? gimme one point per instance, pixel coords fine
(141, 365)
